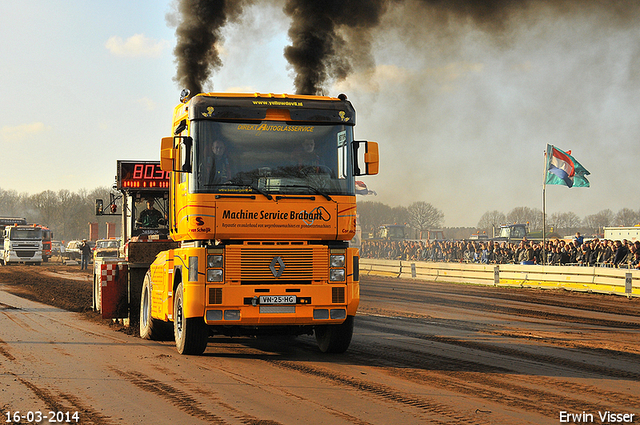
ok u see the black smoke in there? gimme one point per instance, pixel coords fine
(327, 36)
(331, 38)
(197, 33)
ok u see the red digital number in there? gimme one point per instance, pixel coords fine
(138, 171)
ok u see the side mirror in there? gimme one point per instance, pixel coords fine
(370, 158)
(167, 154)
(174, 149)
(99, 207)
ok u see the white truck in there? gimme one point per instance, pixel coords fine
(21, 243)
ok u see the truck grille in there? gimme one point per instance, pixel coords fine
(276, 262)
(25, 254)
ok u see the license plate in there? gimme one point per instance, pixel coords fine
(277, 299)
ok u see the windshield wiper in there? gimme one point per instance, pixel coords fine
(316, 190)
(261, 192)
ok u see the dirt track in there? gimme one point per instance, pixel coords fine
(421, 353)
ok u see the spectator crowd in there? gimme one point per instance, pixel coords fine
(594, 252)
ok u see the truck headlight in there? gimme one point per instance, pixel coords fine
(336, 275)
(214, 275)
(214, 261)
(336, 261)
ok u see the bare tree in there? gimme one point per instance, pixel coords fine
(490, 220)
(47, 204)
(372, 214)
(400, 215)
(564, 223)
(66, 213)
(595, 222)
(13, 204)
(627, 217)
(424, 216)
(524, 215)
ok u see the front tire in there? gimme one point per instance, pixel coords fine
(150, 328)
(335, 338)
(192, 333)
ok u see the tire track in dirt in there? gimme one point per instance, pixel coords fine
(431, 370)
(67, 403)
(382, 391)
(379, 390)
(178, 398)
(252, 420)
(425, 404)
(429, 298)
(20, 323)
(479, 380)
(502, 391)
(237, 413)
(554, 361)
(242, 416)
(408, 363)
(590, 346)
(5, 352)
(590, 302)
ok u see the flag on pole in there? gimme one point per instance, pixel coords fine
(361, 189)
(563, 169)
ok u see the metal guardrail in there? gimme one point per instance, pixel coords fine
(585, 279)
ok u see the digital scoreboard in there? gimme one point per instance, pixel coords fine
(141, 175)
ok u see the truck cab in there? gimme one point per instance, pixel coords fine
(393, 232)
(512, 233)
(22, 244)
(262, 201)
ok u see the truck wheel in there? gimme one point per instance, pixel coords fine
(191, 334)
(151, 328)
(335, 338)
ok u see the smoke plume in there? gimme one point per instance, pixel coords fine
(327, 37)
(332, 38)
(197, 33)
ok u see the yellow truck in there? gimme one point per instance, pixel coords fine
(262, 203)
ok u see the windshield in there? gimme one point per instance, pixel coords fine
(396, 232)
(107, 244)
(513, 232)
(392, 232)
(518, 233)
(151, 213)
(272, 157)
(23, 234)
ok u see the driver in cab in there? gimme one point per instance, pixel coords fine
(305, 156)
(150, 217)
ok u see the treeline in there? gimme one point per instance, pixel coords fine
(560, 223)
(422, 216)
(66, 213)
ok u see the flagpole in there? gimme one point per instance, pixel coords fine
(544, 208)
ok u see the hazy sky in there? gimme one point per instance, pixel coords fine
(462, 114)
